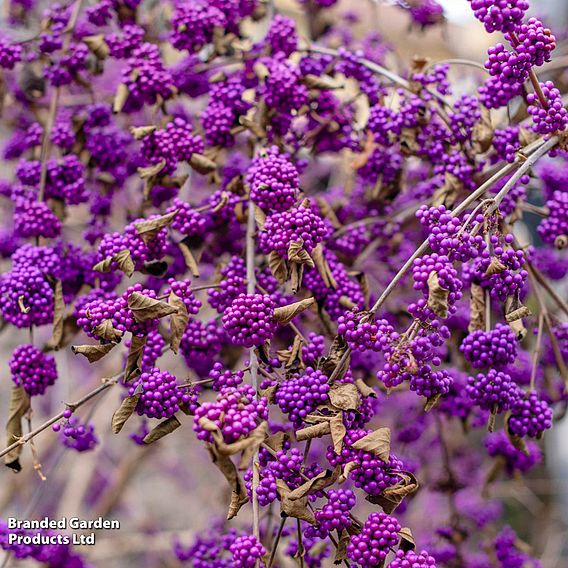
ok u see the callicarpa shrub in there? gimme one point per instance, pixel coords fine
(331, 272)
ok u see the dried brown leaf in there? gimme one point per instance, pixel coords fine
(178, 321)
(58, 312)
(349, 466)
(365, 389)
(476, 308)
(338, 356)
(269, 392)
(341, 550)
(437, 296)
(276, 441)
(495, 267)
(21, 306)
(315, 484)
(299, 255)
(320, 82)
(107, 331)
(93, 352)
(297, 508)
(104, 265)
(124, 411)
(19, 405)
(202, 164)
(190, 261)
(377, 443)
(120, 98)
(144, 308)
(97, 46)
(133, 361)
(482, 132)
(150, 172)
(447, 194)
(407, 541)
(150, 228)
(345, 396)
(287, 313)
(162, 429)
(322, 266)
(140, 132)
(338, 432)
(314, 431)
(278, 267)
(124, 262)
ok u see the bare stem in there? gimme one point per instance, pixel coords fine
(537, 350)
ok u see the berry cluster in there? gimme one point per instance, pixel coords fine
(32, 369)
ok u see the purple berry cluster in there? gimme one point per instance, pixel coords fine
(249, 320)
(32, 369)
(159, 394)
(371, 547)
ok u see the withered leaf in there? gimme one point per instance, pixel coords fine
(341, 551)
(254, 440)
(252, 125)
(150, 228)
(162, 429)
(322, 266)
(377, 443)
(93, 352)
(269, 392)
(482, 132)
(97, 46)
(495, 267)
(476, 308)
(314, 431)
(19, 405)
(287, 313)
(338, 432)
(365, 389)
(150, 172)
(228, 469)
(296, 274)
(202, 164)
(108, 332)
(58, 311)
(120, 98)
(349, 466)
(124, 411)
(322, 83)
(178, 321)
(144, 308)
(315, 484)
(338, 357)
(140, 132)
(260, 217)
(104, 265)
(278, 267)
(392, 496)
(124, 262)
(297, 508)
(22, 307)
(345, 396)
(276, 441)
(134, 358)
(406, 539)
(70, 329)
(190, 261)
(437, 296)
(299, 255)
(431, 402)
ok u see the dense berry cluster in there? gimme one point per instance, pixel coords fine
(372, 545)
(493, 391)
(159, 394)
(495, 348)
(363, 333)
(32, 369)
(249, 320)
(530, 416)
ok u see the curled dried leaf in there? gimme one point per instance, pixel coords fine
(315, 431)
(97, 46)
(407, 541)
(202, 164)
(107, 331)
(495, 267)
(21, 306)
(476, 308)
(322, 83)
(104, 265)
(297, 254)
(133, 361)
(322, 267)
(144, 308)
(377, 443)
(162, 429)
(278, 267)
(19, 405)
(178, 321)
(190, 261)
(345, 396)
(338, 432)
(437, 296)
(93, 352)
(140, 132)
(124, 411)
(365, 389)
(58, 314)
(150, 228)
(287, 313)
(297, 508)
(150, 172)
(124, 262)
(120, 98)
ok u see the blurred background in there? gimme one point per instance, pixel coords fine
(170, 489)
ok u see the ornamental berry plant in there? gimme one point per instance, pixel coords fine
(273, 266)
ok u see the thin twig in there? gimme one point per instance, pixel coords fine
(276, 541)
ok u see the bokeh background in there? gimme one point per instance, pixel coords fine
(170, 490)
